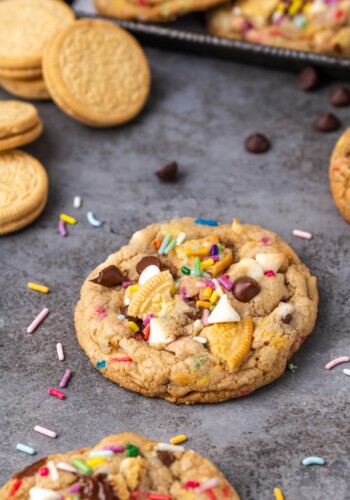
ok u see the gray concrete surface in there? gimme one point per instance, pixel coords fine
(199, 113)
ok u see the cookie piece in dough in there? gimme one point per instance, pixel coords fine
(339, 175)
(314, 26)
(217, 316)
(121, 467)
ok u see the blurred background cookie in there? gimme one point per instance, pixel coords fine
(19, 124)
(339, 175)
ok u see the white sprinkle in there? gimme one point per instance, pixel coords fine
(60, 351)
(169, 447)
(101, 453)
(93, 221)
(37, 493)
(46, 432)
(218, 287)
(302, 234)
(197, 325)
(77, 202)
(66, 467)
(53, 471)
(346, 371)
(211, 483)
(180, 239)
(121, 317)
(201, 340)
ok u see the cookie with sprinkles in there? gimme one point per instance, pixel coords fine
(121, 467)
(196, 311)
(317, 25)
(339, 175)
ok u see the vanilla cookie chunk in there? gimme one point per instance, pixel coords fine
(317, 26)
(339, 175)
(121, 467)
(193, 311)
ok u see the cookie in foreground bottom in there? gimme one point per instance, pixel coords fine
(339, 175)
(192, 312)
(121, 467)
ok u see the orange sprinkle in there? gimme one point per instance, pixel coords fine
(156, 244)
(147, 332)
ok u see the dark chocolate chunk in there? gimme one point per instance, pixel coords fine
(31, 470)
(165, 457)
(124, 311)
(150, 260)
(245, 289)
(287, 319)
(340, 96)
(308, 79)
(257, 143)
(109, 276)
(97, 487)
(327, 122)
(168, 173)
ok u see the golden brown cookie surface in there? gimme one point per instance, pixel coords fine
(33, 89)
(339, 175)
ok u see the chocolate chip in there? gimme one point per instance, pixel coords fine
(287, 319)
(194, 314)
(327, 122)
(340, 96)
(168, 173)
(245, 289)
(257, 143)
(109, 276)
(150, 260)
(308, 79)
(165, 457)
(124, 310)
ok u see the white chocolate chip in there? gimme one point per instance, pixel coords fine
(157, 334)
(223, 312)
(270, 261)
(148, 273)
(43, 494)
(284, 309)
(249, 267)
(197, 325)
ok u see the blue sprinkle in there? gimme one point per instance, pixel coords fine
(101, 364)
(204, 222)
(25, 449)
(313, 461)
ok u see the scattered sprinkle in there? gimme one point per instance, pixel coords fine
(60, 352)
(158, 496)
(191, 485)
(337, 361)
(62, 228)
(44, 471)
(56, 393)
(122, 359)
(26, 449)
(77, 202)
(201, 340)
(82, 466)
(37, 287)
(121, 317)
(75, 488)
(169, 447)
(165, 243)
(178, 439)
(15, 487)
(65, 378)
(38, 320)
(131, 450)
(65, 467)
(313, 461)
(270, 274)
(302, 234)
(101, 453)
(180, 239)
(292, 368)
(211, 483)
(116, 448)
(92, 462)
(46, 432)
(101, 364)
(346, 371)
(197, 267)
(68, 219)
(186, 270)
(53, 471)
(218, 287)
(93, 221)
(278, 494)
(205, 222)
(170, 247)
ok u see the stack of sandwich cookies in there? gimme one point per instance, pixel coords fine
(103, 94)
(121, 467)
(23, 190)
(25, 29)
(20, 124)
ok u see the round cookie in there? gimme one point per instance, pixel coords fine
(133, 466)
(21, 139)
(230, 305)
(105, 94)
(16, 117)
(153, 11)
(23, 190)
(26, 28)
(309, 26)
(34, 89)
(339, 175)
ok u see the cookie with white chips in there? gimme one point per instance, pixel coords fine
(193, 311)
(121, 467)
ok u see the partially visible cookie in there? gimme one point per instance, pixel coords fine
(21, 74)
(23, 190)
(17, 140)
(339, 175)
(102, 87)
(33, 89)
(16, 117)
(121, 467)
(152, 11)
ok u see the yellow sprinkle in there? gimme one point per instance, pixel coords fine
(198, 252)
(293, 9)
(92, 462)
(133, 288)
(207, 292)
(214, 296)
(173, 290)
(203, 303)
(178, 439)
(134, 326)
(38, 288)
(278, 494)
(68, 219)
(207, 263)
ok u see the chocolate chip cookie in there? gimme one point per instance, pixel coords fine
(339, 175)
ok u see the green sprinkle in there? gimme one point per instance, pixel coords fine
(198, 362)
(197, 267)
(76, 497)
(170, 247)
(211, 308)
(82, 467)
(131, 450)
(292, 368)
(164, 244)
(185, 270)
(220, 248)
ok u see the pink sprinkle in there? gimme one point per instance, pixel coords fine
(205, 317)
(126, 284)
(190, 484)
(226, 283)
(200, 284)
(269, 274)
(56, 393)
(265, 239)
(101, 312)
(74, 488)
(44, 471)
(60, 351)
(65, 379)
(302, 234)
(337, 361)
(210, 283)
(116, 448)
(38, 320)
(62, 228)
(214, 257)
(211, 483)
(148, 319)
